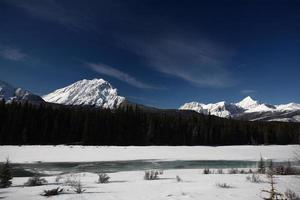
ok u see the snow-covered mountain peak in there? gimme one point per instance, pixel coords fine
(10, 93)
(95, 92)
(247, 103)
(247, 106)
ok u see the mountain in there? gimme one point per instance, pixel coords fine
(10, 93)
(96, 92)
(248, 109)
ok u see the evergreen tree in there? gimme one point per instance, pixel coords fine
(261, 166)
(5, 175)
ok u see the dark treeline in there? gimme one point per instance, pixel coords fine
(47, 124)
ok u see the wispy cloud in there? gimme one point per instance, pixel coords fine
(247, 91)
(11, 53)
(52, 10)
(122, 76)
(198, 61)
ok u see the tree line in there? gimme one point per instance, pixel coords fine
(24, 123)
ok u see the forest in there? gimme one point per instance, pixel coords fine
(24, 123)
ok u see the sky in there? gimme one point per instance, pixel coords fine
(157, 53)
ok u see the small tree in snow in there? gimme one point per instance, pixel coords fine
(5, 175)
(261, 166)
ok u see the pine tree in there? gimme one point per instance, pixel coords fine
(5, 175)
(261, 166)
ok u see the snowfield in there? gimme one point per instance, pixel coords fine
(131, 186)
(61, 153)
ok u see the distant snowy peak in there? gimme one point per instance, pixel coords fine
(96, 92)
(290, 106)
(10, 93)
(247, 105)
(220, 109)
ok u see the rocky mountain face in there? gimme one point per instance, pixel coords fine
(96, 92)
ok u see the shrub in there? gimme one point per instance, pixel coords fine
(35, 181)
(206, 171)
(220, 171)
(5, 174)
(286, 170)
(58, 178)
(71, 180)
(255, 178)
(151, 175)
(103, 178)
(224, 185)
(291, 195)
(78, 188)
(52, 192)
(233, 171)
(178, 179)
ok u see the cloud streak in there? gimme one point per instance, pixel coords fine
(122, 76)
(247, 91)
(197, 61)
(12, 53)
(54, 11)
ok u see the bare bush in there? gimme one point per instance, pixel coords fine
(35, 181)
(255, 178)
(206, 171)
(103, 178)
(220, 171)
(151, 175)
(291, 195)
(71, 180)
(58, 178)
(78, 188)
(178, 179)
(52, 192)
(223, 185)
(233, 171)
(286, 169)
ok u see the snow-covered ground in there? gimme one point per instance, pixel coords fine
(131, 186)
(25, 154)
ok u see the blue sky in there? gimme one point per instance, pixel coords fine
(159, 53)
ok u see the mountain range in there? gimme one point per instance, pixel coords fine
(100, 93)
(248, 109)
(10, 93)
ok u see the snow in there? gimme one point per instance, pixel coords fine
(131, 186)
(96, 92)
(61, 153)
(290, 106)
(10, 93)
(247, 105)
(218, 109)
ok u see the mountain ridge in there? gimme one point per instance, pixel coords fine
(10, 93)
(246, 108)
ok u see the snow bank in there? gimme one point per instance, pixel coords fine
(24, 154)
(131, 186)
